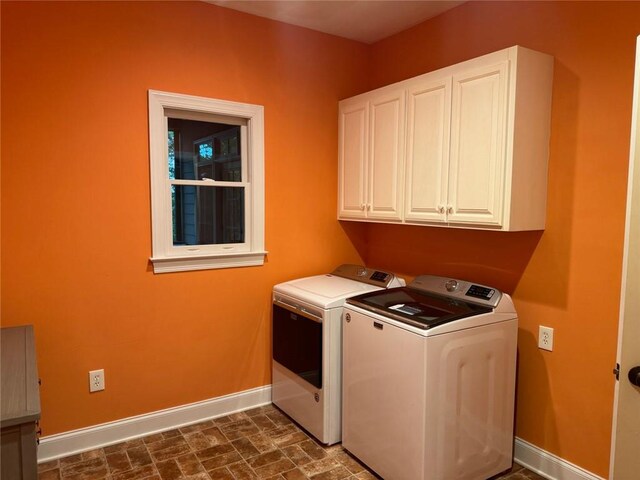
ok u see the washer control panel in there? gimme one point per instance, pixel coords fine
(478, 291)
(458, 289)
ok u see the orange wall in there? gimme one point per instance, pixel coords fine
(76, 206)
(567, 277)
(75, 200)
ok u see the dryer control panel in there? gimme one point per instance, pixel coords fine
(378, 278)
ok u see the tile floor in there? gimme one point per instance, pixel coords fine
(261, 443)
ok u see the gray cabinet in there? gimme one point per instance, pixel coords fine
(20, 403)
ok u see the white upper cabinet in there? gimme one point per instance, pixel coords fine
(475, 151)
(476, 163)
(429, 115)
(352, 176)
(371, 156)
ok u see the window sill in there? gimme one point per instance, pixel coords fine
(207, 262)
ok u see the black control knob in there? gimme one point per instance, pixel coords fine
(634, 376)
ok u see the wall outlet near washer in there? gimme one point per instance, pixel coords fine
(545, 338)
(96, 380)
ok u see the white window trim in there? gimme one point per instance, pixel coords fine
(169, 258)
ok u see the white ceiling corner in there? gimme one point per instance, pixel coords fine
(363, 20)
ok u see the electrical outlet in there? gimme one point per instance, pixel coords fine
(545, 338)
(96, 380)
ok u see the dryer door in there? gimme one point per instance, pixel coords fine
(297, 342)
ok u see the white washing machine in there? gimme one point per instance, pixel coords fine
(307, 344)
(429, 380)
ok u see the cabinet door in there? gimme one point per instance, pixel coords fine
(386, 155)
(477, 165)
(352, 158)
(428, 126)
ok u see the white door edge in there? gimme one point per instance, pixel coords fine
(635, 141)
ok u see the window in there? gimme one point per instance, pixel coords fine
(207, 182)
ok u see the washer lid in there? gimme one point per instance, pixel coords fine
(324, 291)
(418, 308)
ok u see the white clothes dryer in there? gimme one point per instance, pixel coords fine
(307, 344)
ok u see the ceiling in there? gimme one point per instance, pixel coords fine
(363, 20)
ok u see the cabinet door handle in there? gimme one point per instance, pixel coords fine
(449, 209)
(368, 206)
(440, 209)
(362, 206)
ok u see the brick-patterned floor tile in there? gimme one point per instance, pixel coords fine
(215, 436)
(338, 473)
(189, 464)
(221, 460)
(156, 437)
(199, 441)
(169, 470)
(165, 443)
(312, 449)
(170, 452)
(261, 443)
(332, 449)
(242, 471)
(50, 474)
(295, 474)
(137, 473)
(263, 422)
(234, 417)
(139, 456)
(71, 459)
(172, 433)
(118, 462)
(121, 447)
(221, 474)
(214, 451)
(92, 468)
(198, 476)
(44, 466)
(265, 459)
(245, 447)
(96, 453)
(320, 466)
(282, 465)
(279, 418)
(349, 462)
(241, 428)
(290, 439)
(297, 455)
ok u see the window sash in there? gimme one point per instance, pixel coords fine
(194, 257)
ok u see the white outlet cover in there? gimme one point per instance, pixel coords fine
(96, 380)
(545, 338)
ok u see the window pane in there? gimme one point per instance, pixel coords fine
(204, 150)
(205, 215)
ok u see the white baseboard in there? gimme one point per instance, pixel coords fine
(547, 464)
(75, 441)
